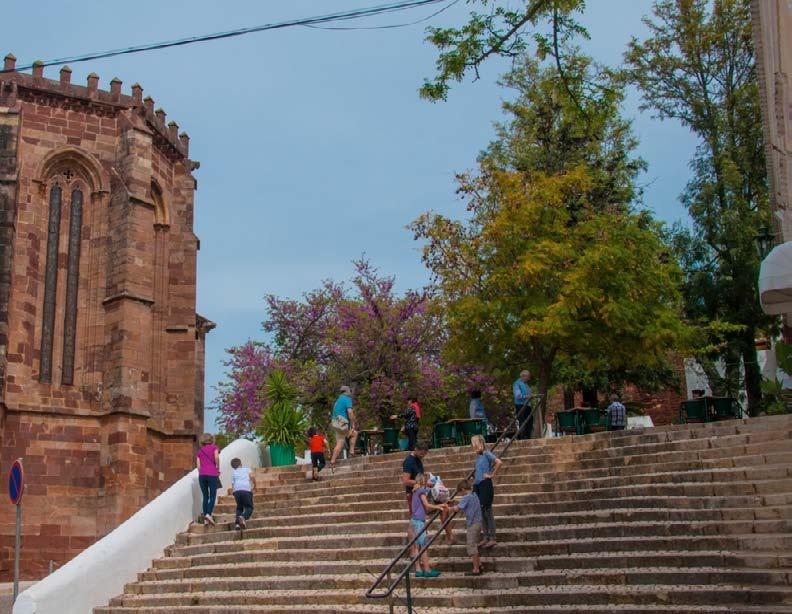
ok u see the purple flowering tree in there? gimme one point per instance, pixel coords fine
(387, 346)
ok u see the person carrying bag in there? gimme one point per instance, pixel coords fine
(208, 462)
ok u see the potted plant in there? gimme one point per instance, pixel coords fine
(283, 424)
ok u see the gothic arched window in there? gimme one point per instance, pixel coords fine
(62, 186)
(50, 283)
(72, 280)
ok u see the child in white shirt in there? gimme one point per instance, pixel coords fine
(242, 485)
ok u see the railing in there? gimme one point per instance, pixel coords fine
(371, 593)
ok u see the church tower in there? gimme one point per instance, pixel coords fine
(101, 349)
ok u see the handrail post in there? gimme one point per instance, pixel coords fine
(407, 589)
(390, 596)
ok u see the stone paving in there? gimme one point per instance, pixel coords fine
(694, 518)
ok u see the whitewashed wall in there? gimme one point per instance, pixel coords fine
(100, 572)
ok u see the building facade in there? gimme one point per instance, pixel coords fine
(101, 349)
(772, 34)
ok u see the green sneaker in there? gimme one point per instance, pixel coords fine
(432, 573)
(420, 574)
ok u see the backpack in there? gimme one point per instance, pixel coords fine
(439, 492)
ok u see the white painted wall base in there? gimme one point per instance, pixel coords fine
(100, 572)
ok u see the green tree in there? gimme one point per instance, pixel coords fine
(697, 66)
(553, 267)
(504, 30)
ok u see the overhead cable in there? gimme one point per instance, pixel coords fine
(382, 9)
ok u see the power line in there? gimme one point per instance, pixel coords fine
(389, 26)
(382, 9)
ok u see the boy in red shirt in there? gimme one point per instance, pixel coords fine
(317, 444)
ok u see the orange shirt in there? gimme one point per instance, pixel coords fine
(316, 443)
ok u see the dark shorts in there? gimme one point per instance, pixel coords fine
(318, 460)
(409, 504)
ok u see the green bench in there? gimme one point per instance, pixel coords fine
(591, 420)
(390, 439)
(443, 435)
(467, 430)
(693, 410)
(566, 423)
(724, 408)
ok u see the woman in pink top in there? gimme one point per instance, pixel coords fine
(208, 462)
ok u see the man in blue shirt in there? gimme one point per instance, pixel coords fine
(343, 423)
(522, 403)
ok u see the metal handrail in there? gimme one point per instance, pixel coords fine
(370, 593)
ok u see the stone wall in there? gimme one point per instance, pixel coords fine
(101, 350)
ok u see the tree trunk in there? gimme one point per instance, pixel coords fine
(590, 396)
(541, 407)
(716, 383)
(753, 377)
(569, 398)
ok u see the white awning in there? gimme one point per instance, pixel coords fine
(775, 280)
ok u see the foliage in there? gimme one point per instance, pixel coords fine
(697, 66)
(241, 397)
(385, 345)
(772, 401)
(504, 30)
(223, 439)
(783, 352)
(553, 267)
(284, 422)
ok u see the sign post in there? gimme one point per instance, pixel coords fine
(16, 487)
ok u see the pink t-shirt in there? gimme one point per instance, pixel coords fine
(206, 460)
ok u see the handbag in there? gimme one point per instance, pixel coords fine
(340, 423)
(439, 491)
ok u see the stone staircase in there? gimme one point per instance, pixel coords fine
(694, 518)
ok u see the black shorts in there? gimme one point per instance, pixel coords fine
(318, 460)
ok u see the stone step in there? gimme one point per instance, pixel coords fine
(581, 595)
(509, 515)
(388, 546)
(626, 560)
(261, 529)
(512, 527)
(399, 602)
(551, 507)
(506, 581)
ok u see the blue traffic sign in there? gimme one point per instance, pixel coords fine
(16, 482)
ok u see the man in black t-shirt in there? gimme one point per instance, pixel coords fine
(412, 466)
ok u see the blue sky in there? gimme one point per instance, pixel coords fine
(314, 145)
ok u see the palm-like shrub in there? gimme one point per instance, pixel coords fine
(283, 422)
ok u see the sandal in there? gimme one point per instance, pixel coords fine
(473, 573)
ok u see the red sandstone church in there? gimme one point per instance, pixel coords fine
(101, 350)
